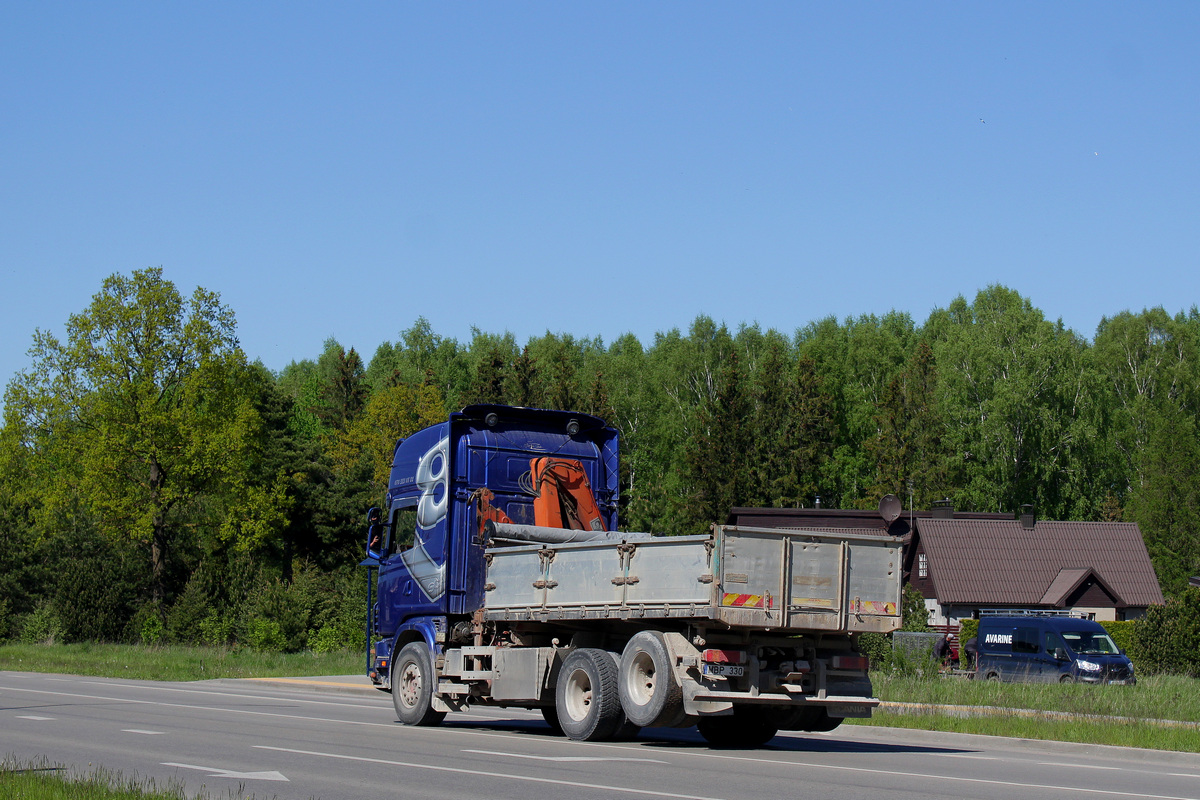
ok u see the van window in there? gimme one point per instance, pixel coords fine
(1089, 643)
(1026, 640)
(1052, 642)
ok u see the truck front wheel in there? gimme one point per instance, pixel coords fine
(412, 686)
(589, 708)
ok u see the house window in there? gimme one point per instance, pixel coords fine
(922, 565)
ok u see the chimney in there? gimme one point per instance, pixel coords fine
(1028, 518)
(818, 503)
(943, 509)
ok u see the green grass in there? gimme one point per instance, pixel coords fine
(44, 781)
(1157, 697)
(1120, 734)
(174, 662)
(1154, 697)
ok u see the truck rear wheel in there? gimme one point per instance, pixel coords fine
(589, 707)
(748, 726)
(650, 694)
(412, 686)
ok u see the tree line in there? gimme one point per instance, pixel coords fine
(145, 460)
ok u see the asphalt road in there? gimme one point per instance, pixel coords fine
(341, 742)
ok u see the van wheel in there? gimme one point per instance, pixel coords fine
(993, 676)
(1066, 679)
(412, 686)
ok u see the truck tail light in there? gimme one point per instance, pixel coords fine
(850, 662)
(724, 656)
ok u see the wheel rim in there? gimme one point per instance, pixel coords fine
(410, 685)
(641, 679)
(579, 694)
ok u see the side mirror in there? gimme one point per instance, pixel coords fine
(1060, 654)
(376, 534)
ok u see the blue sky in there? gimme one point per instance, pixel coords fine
(595, 169)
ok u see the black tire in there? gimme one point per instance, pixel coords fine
(550, 714)
(412, 686)
(586, 698)
(650, 694)
(993, 676)
(1066, 679)
(822, 722)
(748, 726)
(808, 718)
(792, 719)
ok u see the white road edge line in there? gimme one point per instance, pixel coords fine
(142, 732)
(564, 758)
(479, 773)
(35, 719)
(1074, 766)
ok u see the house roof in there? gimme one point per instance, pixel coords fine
(866, 521)
(1000, 562)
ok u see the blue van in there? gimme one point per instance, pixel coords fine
(1048, 650)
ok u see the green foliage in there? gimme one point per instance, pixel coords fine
(153, 630)
(877, 647)
(42, 626)
(913, 613)
(6, 621)
(968, 629)
(1122, 633)
(1168, 639)
(221, 489)
(137, 413)
(266, 635)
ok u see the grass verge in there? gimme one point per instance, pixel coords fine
(1140, 708)
(173, 662)
(44, 781)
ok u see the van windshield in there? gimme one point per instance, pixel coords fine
(1088, 643)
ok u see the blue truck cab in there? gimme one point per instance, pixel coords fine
(1049, 649)
(426, 541)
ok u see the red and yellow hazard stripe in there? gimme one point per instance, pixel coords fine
(735, 600)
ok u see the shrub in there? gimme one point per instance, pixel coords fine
(97, 590)
(913, 613)
(191, 608)
(42, 626)
(153, 630)
(877, 647)
(216, 630)
(1168, 639)
(265, 634)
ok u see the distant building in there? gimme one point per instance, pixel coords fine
(961, 565)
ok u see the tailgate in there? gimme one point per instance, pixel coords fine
(808, 580)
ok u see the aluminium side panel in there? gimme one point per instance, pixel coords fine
(583, 575)
(669, 571)
(515, 578)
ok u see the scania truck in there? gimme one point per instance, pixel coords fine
(504, 580)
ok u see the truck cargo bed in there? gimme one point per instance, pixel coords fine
(766, 578)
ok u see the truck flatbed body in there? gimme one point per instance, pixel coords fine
(791, 580)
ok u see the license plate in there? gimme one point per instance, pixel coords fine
(728, 670)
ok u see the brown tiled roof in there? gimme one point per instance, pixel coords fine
(999, 562)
